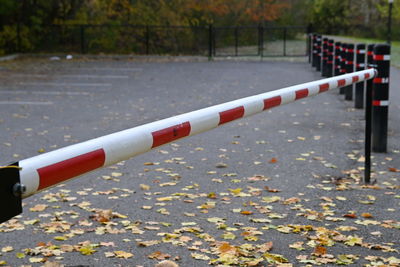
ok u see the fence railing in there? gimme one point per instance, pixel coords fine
(29, 176)
(159, 40)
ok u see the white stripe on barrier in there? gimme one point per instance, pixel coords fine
(54, 167)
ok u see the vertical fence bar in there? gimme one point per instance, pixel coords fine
(147, 40)
(360, 65)
(348, 90)
(343, 63)
(284, 41)
(380, 100)
(236, 40)
(82, 30)
(338, 46)
(261, 33)
(368, 117)
(318, 61)
(210, 41)
(324, 57)
(18, 48)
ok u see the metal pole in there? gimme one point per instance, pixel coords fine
(236, 40)
(210, 42)
(284, 41)
(368, 118)
(380, 100)
(261, 36)
(147, 39)
(83, 39)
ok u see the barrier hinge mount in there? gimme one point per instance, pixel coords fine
(11, 190)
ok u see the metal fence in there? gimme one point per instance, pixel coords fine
(161, 40)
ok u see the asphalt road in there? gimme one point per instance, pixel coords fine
(291, 176)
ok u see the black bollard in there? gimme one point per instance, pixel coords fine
(360, 65)
(368, 117)
(348, 90)
(314, 51)
(343, 63)
(338, 46)
(329, 64)
(380, 100)
(319, 50)
(324, 57)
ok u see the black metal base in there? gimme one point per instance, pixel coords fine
(11, 204)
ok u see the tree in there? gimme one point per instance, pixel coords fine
(330, 16)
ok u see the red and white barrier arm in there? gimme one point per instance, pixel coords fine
(45, 170)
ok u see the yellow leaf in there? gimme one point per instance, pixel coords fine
(199, 256)
(36, 260)
(7, 249)
(87, 250)
(38, 208)
(123, 254)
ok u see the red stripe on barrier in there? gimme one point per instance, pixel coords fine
(302, 93)
(378, 57)
(341, 82)
(349, 50)
(366, 75)
(272, 102)
(330, 62)
(370, 53)
(355, 79)
(349, 62)
(230, 115)
(170, 134)
(342, 70)
(323, 87)
(64, 170)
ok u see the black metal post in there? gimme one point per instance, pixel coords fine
(82, 29)
(368, 118)
(147, 39)
(284, 41)
(236, 40)
(343, 64)
(338, 46)
(318, 57)
(260, 40)
(348, 90)
(360, 65)
(314, 50)
(324, 57)
(380, 101)
(18, 48)
(210, 42)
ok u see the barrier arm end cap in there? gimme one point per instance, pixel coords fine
(11, 191)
